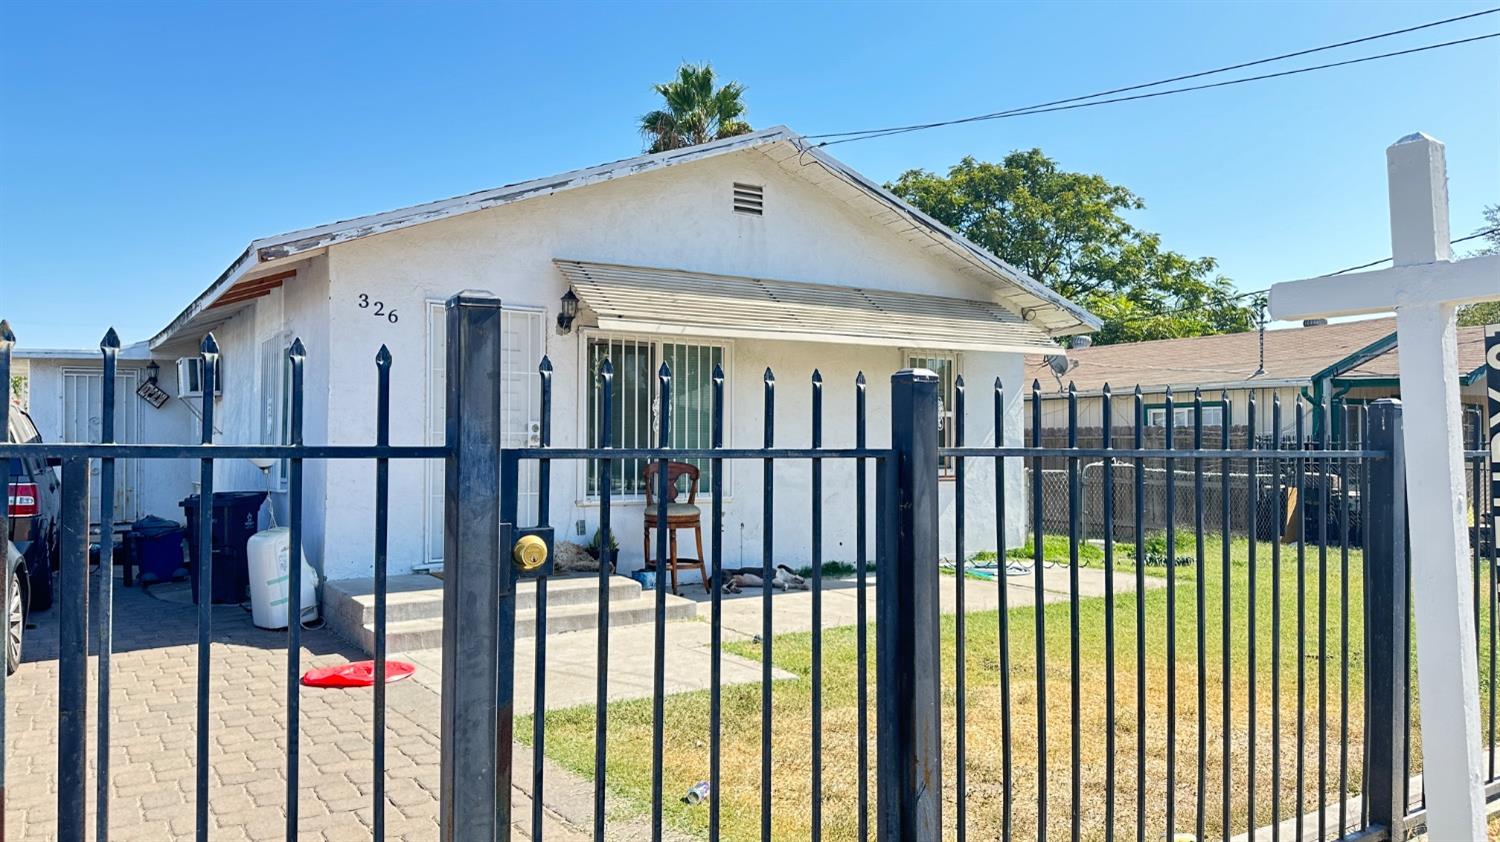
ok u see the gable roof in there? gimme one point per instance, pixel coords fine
(254, 271)
(1385, 365)
(1294, 356)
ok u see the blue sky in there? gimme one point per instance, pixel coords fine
(143, 145)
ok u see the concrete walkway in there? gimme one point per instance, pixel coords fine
(153, 717)
(153, 721)
(572, 658)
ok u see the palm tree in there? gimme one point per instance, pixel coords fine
(695, 111)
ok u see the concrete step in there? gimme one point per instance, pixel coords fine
(420, 596)
(414, 609)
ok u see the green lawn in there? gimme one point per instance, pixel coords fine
(570, 732)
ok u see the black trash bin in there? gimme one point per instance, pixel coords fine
(235, 519)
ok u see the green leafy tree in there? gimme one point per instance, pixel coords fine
(1068, 230)
(696, 110)
(1485, 312)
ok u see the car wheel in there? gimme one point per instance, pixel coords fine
(16, 624)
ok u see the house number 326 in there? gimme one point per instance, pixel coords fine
(379, 308)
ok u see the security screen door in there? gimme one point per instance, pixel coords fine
(83, 395)
(521, 333)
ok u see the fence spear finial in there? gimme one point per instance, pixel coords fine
(859, 380)
(5, 332)
(718, 375)
(817, 378)
(110, 341)
(383, 357)
(545, 368)
(209, 346)
(298, 351)
(770, 377)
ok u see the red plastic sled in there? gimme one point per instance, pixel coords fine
(357, 674)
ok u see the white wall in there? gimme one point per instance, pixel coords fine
(298, 309)
(679, 217)
(160, 484)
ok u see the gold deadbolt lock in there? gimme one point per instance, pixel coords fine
(530, 552)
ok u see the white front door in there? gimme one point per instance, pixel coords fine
(523, 342)
(83, 403)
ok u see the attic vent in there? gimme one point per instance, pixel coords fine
(749, 198)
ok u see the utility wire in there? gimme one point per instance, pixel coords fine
(1473, 236)
(1187, 76)
(1143, 317)
(1079, 101)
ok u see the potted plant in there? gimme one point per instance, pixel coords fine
(594, 544)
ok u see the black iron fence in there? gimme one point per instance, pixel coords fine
(72, 607)
(1224, 684)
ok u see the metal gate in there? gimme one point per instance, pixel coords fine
(489, 547)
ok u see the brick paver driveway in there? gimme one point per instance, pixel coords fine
(154, 698)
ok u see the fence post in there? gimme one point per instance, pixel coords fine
(1386, 579)
(73, 652)
(477, 587)
(908, 662)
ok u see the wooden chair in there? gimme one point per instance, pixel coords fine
(680, 515)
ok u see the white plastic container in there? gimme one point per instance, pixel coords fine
(269, 553)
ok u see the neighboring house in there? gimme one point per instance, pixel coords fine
(66, 399)
(1377, 377)
(753, 252)
(1350, 361)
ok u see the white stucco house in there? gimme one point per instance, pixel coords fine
(753, 252)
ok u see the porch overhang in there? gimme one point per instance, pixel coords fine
(677, 303)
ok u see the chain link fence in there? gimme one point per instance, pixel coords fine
(1228, 489)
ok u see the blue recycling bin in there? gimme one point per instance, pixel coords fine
(157, 543)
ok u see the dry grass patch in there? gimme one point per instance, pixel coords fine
(1326, 766)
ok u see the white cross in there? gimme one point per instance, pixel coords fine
(1425, 287)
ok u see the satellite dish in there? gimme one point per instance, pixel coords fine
(1060, 365)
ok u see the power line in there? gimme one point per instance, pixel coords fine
(1071, 103)
(1187, 76)
(1026, 112)
(1143, 317)
(1474, 236)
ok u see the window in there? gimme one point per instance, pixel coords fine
(276, 403)
(1351, 425)
(634, 400)
(945, 366)
(1183, 416)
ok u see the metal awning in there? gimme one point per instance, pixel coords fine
(673, 302)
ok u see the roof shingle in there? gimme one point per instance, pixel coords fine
(1470, 357)
(1223, 360)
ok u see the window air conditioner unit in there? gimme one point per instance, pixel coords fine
(190, 378)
